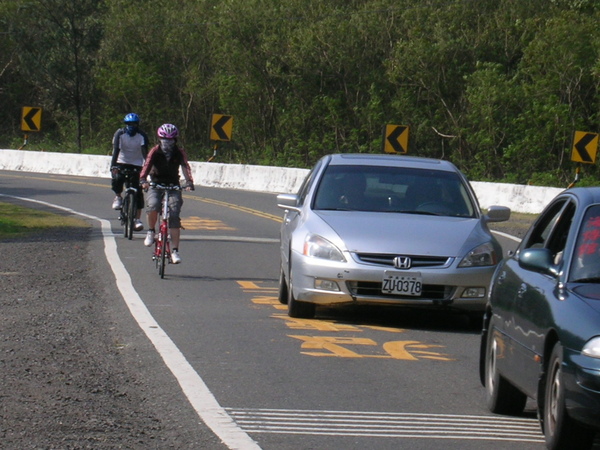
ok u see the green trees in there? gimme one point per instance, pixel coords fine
(496, 86)
(56, 43)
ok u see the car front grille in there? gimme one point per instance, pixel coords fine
(373, 289)
(386, 259)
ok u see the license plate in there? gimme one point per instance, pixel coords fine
(402, 283)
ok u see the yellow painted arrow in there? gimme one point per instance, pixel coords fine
(198, 223)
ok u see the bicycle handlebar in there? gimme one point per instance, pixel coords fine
(165, 187)
(127, 169)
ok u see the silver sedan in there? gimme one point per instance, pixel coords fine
(386, 229)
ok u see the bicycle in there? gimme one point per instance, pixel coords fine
(129, 208)
(162, 243)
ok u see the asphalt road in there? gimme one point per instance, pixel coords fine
(375, 378)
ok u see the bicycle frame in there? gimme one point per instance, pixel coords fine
(162, 242)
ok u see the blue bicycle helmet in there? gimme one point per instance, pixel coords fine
(131, 117)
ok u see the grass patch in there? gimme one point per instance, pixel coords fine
(17, 221)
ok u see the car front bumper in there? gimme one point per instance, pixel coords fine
(582, 381)
(325, 282)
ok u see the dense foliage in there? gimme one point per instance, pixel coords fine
(496, 86)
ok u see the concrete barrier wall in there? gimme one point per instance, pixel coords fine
(520, 198)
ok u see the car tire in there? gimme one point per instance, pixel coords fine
(560, 430)
(501, 396)
(283, 288)
(296, 309)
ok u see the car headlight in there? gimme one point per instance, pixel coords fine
(318, 247)
(592, 348)
(482, 255)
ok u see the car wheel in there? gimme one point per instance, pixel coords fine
(501, 396)
(560, 430)
(283, 289)
(301, 310)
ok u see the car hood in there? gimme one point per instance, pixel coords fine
(400, 233)
(589, 294)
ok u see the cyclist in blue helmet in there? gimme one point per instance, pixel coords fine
(130, 148)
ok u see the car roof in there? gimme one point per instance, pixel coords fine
(587, 195)
(373, 159)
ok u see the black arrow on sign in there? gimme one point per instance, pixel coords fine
(218, 127)
(393, 139)
(581, 145)
(29, 119)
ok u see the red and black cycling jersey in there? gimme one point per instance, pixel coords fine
(166, 171)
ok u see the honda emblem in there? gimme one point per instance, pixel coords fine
(402, 262)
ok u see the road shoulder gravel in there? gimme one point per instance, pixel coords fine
(76, 371)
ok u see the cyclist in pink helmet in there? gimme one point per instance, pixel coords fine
(167, 131)
(162, 166)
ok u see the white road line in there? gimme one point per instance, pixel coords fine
(194, 388)
(388, 425)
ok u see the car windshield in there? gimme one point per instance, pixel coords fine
(393, 189)
(585, 267)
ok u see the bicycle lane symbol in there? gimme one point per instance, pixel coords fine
(342, 346)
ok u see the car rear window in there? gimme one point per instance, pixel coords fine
(393, 189)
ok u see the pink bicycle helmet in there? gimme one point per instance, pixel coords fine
(167, 131)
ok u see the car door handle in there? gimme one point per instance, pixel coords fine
(522, 290)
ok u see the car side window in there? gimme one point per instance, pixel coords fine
(552, 228)
(558, 238)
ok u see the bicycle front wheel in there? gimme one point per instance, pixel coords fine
(162, 262)
(125, 216)
(131, 213)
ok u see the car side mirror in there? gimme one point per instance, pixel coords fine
(538, 260)
(288, 201)
(497, 213)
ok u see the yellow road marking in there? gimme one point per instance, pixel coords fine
(241, 208)
(198, 223)
(316, 325)
(342, 346)
(338, 346)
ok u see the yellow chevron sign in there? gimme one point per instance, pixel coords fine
(221, 127)
(395, 139)
(31, 119)
(585, 147)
